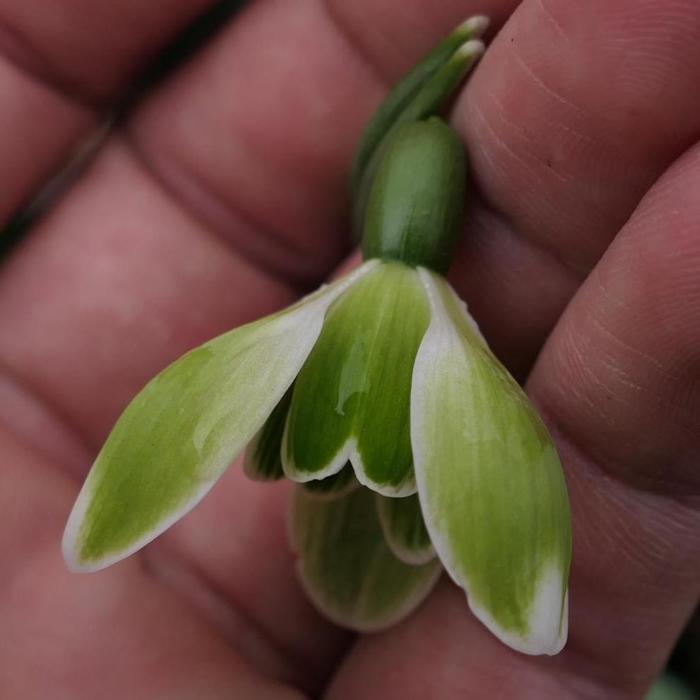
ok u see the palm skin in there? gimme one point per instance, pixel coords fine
(223, 198)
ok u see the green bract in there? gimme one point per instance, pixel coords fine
(419, 93)
(415, 98)
(411, 446)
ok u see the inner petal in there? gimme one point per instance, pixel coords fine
(351, 400)
(404, 530)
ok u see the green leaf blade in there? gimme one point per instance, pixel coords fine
(490, 481)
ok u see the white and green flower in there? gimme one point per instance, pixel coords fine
(412, 448)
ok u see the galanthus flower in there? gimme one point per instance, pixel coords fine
(412, 448)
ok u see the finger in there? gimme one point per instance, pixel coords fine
(58, 64)
(618, 382)
(574, 111)
(627, 350)
(136, 266)
(152, 285)
(116, 635)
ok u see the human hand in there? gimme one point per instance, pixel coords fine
(223, 198)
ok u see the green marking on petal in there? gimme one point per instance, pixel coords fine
(404, 529)
(490, 481)
(339, 484)
(347, 568)
(263, 461)
(179, 434)
(351, 399)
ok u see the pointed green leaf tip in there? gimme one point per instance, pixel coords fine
(346, 567)
(186, 426)
(490, 482)
(351, 399)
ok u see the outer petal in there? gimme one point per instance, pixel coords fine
(351, 399)
(490, 482)
(185, 427)
(347, 568)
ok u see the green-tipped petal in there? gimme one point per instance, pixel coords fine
(339, 484)
(490, 482)
(347, 568)
(263, 461)
(351, 399)
(404, 530)
(179, 434)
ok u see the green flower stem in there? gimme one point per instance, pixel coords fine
(426, 102)
(406, 89)
(415, 206)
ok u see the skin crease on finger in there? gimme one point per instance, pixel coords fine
(547, 117)
(47, 281)
(77, 637)
(53, 71)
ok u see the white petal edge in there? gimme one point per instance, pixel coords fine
(347, 453)
(347, 489)
(307, 315)
(540, 639)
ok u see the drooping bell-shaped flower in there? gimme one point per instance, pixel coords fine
(412, 448)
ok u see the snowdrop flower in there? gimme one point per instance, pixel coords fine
(412, 448)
